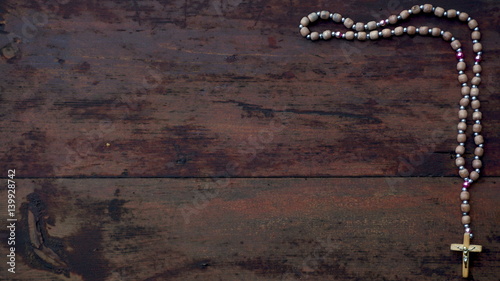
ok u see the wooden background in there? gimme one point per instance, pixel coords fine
(206, 140)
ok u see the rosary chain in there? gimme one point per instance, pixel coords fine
(374, 30)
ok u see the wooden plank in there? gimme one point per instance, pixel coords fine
(258, 229)
(183, 89)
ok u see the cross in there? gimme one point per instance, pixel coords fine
(466, 248)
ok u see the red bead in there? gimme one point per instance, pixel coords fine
(467, 230)
(466, 184)
(460, 55)
(477, 58)
(381, 23)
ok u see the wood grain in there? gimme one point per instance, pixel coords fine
(206, 140)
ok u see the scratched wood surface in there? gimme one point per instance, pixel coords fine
(206, 140)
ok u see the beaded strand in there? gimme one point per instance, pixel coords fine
(374, 30)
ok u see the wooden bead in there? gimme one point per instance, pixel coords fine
(466, 219)
(477, 47)
(411, 30)
(474, 92)
(462, 78)
(465, 208)
(461, 138)
(465, 90)
(464, 195)
(463, 16)
(474, 175)
(313, 17)
(460, 161)
(423, 30)
(362, 36)
(462, 114)
(348, 23)
(475, 104)
(305, 21)
(472, 24)
(327, 34)
(415, 9)
(324, 15)
(464, 102)
(427, 8)
(451, 13)
(398, 31)
(478, 140)
(439, 12)
(455, 44)
(349, 35)
(314, 36)
(393, 19)
(374, 35)
(371, 25)
(479, 151)
(477, 68)
(447, 36)
(360, 26)
(463, 173)
(477, 164)
(461, 66)
(386, 32)
(404, 14)
(337, 17)
(476, 35)
(477, 115)
(304, 31)
(436, 31)
(460, 149)
(477, 128)
(462, 126)
(475, 80)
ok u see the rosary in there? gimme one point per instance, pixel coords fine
(374, 30)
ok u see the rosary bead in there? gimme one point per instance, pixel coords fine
(475, 104)
(460, 56)
(479, 151)
(460, 161)
(476, 80)
(360, 26)
(427, 8)
(411, 30)
(305, 21)
(362, 36)
(462, 114)
(313, 17)
(327, 34)
(451, 13)
(439, 11)
(348, 23)
(476, 35)
(477, 68)
(404, 14)
(314, 36)
(465, 185)
(463, 173)
(472, 24)
(415, 9)
(477, 164)
(474, 92)
(477, 128)
(386, 32)
(304, 31)
(465, 90)
(463, 16)
(349, 35)
(324, 15)
(461, 66)
(455, 45)
(398, 31)
(464, 102)
(465, 207)
(462, 126)
(466, 219)
(447, 36)
(460, 149)
(436, 31)
(337, 17)
(371, 25)
(393, 19)
(474, 175)
(373, 35)
(423, 30)
(462, 78)
(478, 139)
(477, 115)
(461, 138)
